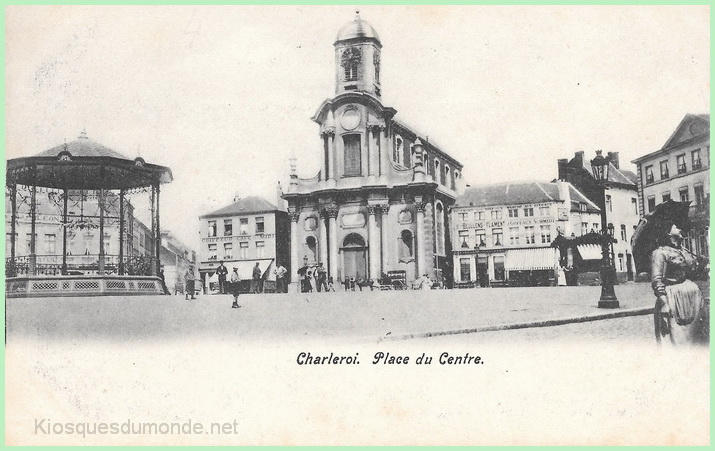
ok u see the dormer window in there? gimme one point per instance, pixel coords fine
(350, 61)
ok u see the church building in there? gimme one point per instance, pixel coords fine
(379, 203)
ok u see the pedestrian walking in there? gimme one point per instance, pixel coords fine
(222, 272)
(679, 302)
(234, 287)
(321, 279)
(346, 283)
(561, 277)
(330, 284)
(280, 273)
(256, 279)
(189, 285)
(163, 282)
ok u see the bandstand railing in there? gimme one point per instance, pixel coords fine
(52, 265)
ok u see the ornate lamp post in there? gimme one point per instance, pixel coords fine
(600, 167)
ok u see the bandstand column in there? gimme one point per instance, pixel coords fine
(384, 209)
(294, 216)
(157, 236)
(333, 242)
(32, 270)
(374, 242)
(120, 265)
(65, 194)
(323, 240)
(100, 202)
(421, 251)
(13, 225)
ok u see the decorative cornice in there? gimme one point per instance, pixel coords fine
(385, 208)
(294, 216)
(421, 206)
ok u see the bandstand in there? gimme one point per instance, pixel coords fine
(86, 194)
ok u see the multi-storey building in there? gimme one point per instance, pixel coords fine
(503, 233)
(680, 170)
(249, 231)
(177, 259)
(617, 196)
(379, 202)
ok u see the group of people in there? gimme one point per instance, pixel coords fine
(316, 279)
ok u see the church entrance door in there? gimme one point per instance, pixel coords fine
(354, 257)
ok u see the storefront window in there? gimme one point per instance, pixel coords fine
(464, 270)
(499, 273)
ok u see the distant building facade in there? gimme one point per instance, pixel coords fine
(249, 231)
(502, 233)
(680, 170)
(176, 259)
(618, 196)
(379, 203)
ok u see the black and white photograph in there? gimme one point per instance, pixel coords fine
(357, 225)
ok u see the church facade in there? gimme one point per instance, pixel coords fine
(379, 204)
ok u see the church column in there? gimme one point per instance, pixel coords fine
(385, 151)
(332, 213)
(384, 209)
(294, 265)
(421, 251)
(329, 137)
(323, 239)
(374, 242)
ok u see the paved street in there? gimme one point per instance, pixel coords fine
(353, 316)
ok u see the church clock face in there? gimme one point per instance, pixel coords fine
(350, 118)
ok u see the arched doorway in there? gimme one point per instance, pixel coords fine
(354, 257)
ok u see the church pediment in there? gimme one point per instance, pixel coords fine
(690, 127)
(362, 98)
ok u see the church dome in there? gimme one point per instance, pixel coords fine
(357, 29)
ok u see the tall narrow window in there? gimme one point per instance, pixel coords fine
(651, 203)
(497, 237)
(464, 269)
(260, 249)
(406, 245)
(50, 241)
(680, 161)
(634, 204)
(350, 61)
(609, 205)
(212, 228)
(649, 178)
(243, 226)
(439, 220)
(683, 191)
(228, 251)
(514, 236)
(697, 163)
(352, 159)
(243, 250)
(397, 151)
(464, 239)
(666, 196)
(376, 63)
(529, 233)
(545, 234)
(664, 173)
(227, 227)
(260, 225)
(623, 232)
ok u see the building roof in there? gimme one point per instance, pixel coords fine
(357, 29)
(82, 147)
(519, 193)
(615, 175)
(682, 135)
(245, 206)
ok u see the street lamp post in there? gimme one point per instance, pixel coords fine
(600, 167)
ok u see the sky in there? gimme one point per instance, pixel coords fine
(223, 95)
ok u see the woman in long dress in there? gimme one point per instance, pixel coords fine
(679, 305)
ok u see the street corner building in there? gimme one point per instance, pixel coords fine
(248, 231)
(503, 234)
(680, 170)
(380, 201)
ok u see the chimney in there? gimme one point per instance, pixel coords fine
(578, 156)
(613, 158)
(236, 197)
(563, 164)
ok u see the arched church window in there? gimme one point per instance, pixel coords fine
(397, 150)
(406, 246)
(376, 63)
(436, 170)
(354, 240)
(311, 248)
(353, 162)
(439, 228)
(350, 61)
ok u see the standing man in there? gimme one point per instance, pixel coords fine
(189, 289)
(222, 273)
(256, 279)
(280, 273)
(322, 278)
(234, 287)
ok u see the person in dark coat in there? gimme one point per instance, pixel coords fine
(222, 273)
(257, 273)
(234, 286)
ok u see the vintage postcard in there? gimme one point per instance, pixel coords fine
(372, 225)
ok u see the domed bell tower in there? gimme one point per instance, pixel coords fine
(357, 58)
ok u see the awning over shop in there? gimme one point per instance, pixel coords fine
(245, 269)
(530, 259)
(589, 251)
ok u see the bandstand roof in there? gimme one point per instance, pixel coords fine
(84, 164)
